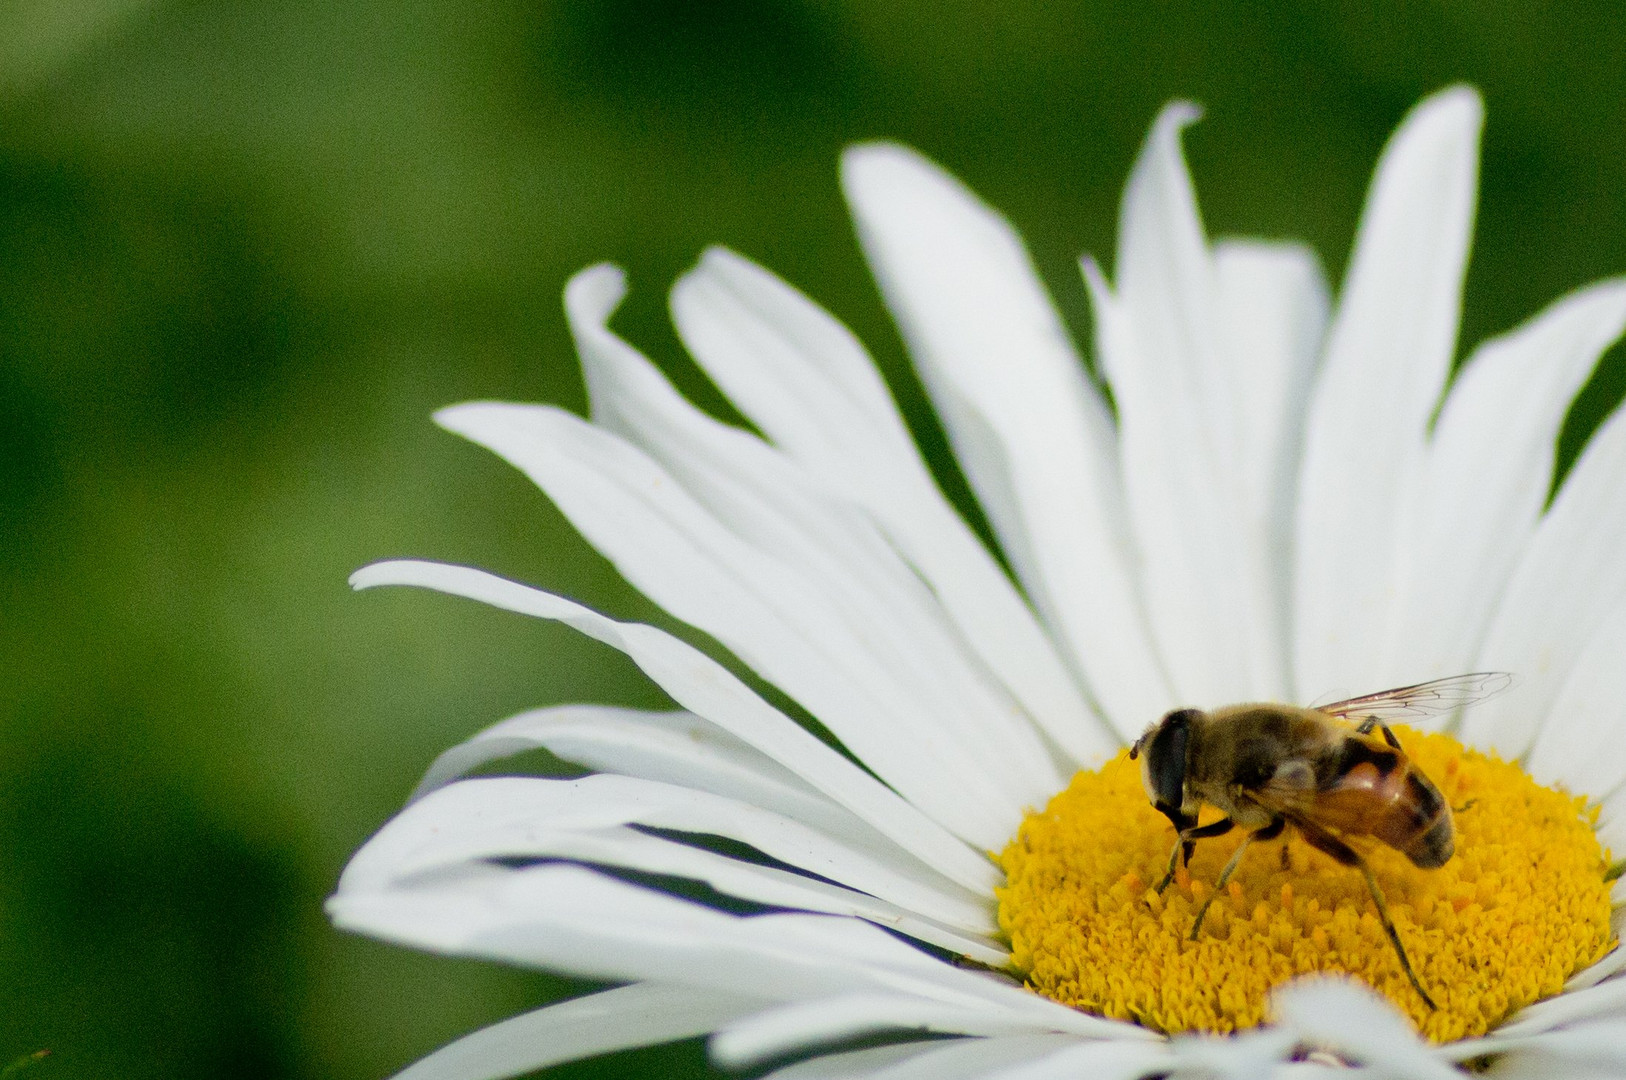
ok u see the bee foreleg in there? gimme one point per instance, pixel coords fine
(1323, 840)
(1230, 868)
(1186, 842)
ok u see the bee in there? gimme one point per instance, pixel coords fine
(1320, 770)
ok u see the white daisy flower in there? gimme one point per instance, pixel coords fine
(1278, 508)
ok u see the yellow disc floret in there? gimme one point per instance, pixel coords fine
(1521, 907)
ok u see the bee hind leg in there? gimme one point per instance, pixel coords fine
(1323, 840)
(1269, 832)
(1186, 843)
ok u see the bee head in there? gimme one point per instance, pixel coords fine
(1162, 754)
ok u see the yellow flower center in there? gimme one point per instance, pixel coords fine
(1522, 906)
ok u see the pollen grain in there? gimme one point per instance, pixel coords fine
(1522, 906)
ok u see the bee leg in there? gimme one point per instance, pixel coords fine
(1269, 832)
(1323, 840)
(1365, 728)
(1186, 842)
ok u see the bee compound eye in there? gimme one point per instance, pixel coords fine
(1166, 758)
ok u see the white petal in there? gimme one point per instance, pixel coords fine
(1490, 467)
(634, 850)
(1612, 823)
(1388, 354)
(1606, 999)
(1356, 1023)
(1586, 1052)
(1588, 713)
(706, 688)
(1243, 1055)
(566, 918)
(639, 1015)
(1106, 1059)
(1163, 350)
(784, 625)
(851, 1064)
(1030, 431)
(809, 385)
(675, 747)
(1570, 578)
(1273, 304)
(881, 607)
(971, 1059)
(519, 816)
(765, 1035)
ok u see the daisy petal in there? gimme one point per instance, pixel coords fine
(1588, 712)
(971, 1059)
(770, 503)
(706, 688)
(1606, 999)
(630, 849)
(1585, 1052)
(1570, 578)
(782, 623)
(569, 919)
(1273, 305)
(505, 817)
(852, 1064)
(676, 747)
(1356, 1023)
(1030, 430)
(1490, 467)
(809, 385)
(579, 1028)
(1387, 357)
(1100, 1060)
(1612, 823)
(1162, 350)
(764, 1035)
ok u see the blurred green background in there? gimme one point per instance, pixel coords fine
(246, 248)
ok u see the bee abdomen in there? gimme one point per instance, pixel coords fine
(1425, 833)
(1435, 847)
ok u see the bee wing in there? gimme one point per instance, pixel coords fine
(1349, 806)
(1434, 698)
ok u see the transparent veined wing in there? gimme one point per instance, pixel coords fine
(1435, 698)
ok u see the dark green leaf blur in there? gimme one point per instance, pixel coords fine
(246, 248)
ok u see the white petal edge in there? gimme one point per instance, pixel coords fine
(851, 1064)
(1098, 1060)
(781, 623)
(1347, 1018)
(1489, 471)
(824, 539)
(802, 1026)
(1588, 714)
(522, 816)
(570, 919)
(1161, 348)
(1388, 353)
(642, 1014)
(707, 689)
(676, 747)
(1273, 305)
(803, 379)
(1030, 431)
(1569, 579)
